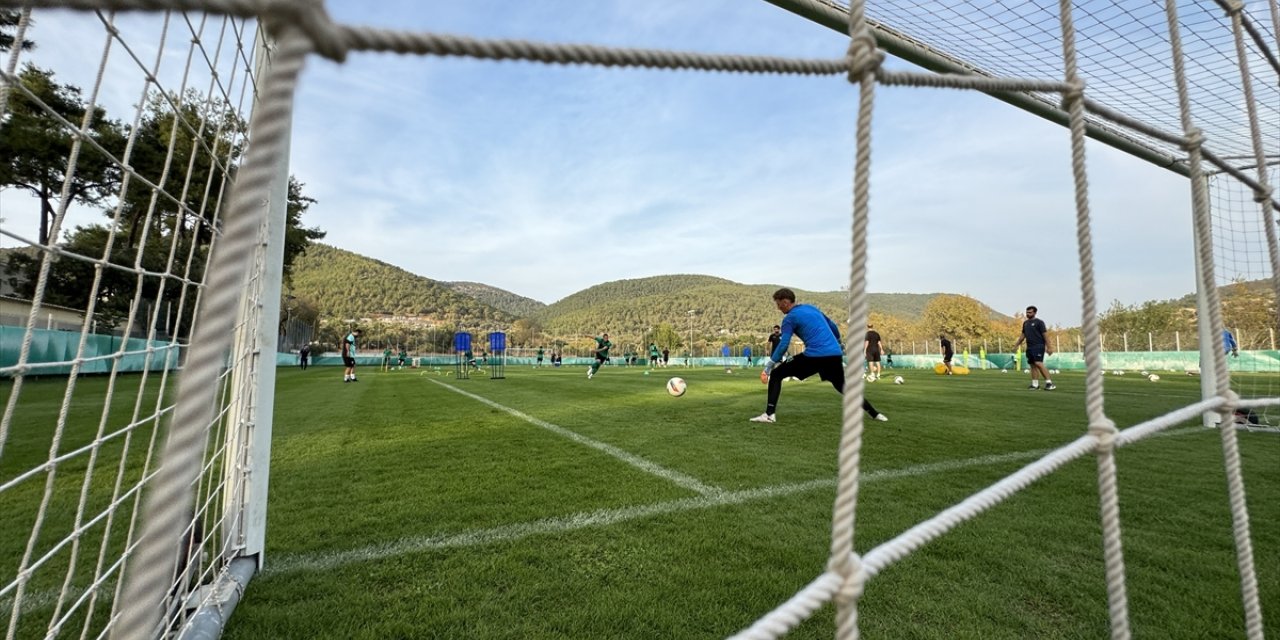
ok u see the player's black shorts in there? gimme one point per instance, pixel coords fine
(348, 361)
(946, 357)
(1035, 354)
(829, 368)
(873, 355)
(602, 359)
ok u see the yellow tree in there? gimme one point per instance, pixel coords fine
(957, 317)
(893, 330)
(525, 333)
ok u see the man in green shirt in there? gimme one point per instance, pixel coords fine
(602, 354)
(655, 356)
(404, 355)
(540, 352)
(386, 359)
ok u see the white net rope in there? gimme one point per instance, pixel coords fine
(86, 486)
(1174, 120)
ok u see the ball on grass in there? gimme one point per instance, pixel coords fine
(898, 380)
(1153, 377)
(676, 387)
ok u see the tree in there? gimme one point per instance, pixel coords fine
(956, 317)
(9, 19)
(205, 138)
(525, 333)
(187, 150)
(297, 238)
(37, 148)
(665, 336)
(1245, 308)
(893, 330)
(71, 281)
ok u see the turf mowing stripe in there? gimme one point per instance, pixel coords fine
(507, 533)
(688, 482)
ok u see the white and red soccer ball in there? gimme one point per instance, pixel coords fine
(676, 387)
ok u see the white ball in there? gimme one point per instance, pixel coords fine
(898, 380)
(1153, 377)
(1146, 373)
(676, 386)
(1004, 371)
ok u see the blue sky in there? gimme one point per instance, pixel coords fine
(547, 180)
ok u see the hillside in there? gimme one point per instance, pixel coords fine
(722, 306)
(342, 284)
(501, 299)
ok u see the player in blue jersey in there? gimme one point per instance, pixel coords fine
(822, 352)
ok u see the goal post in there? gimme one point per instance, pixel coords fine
(151, 517)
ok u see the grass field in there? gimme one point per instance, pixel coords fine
(411, 505)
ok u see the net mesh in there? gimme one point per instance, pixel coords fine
(93, 556)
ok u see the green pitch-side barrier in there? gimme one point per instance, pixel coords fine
(48, 347)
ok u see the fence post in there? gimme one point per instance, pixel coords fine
(1177, 341)
(1124, 339)
(1151, 345)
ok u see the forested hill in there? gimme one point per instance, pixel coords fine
(346, 285)
(514, 304)
(342, 284)
(634, 306)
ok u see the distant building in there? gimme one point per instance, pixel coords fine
(15, 311)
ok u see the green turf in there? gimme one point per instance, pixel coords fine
(401, 509)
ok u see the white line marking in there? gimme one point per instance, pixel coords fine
(688, 482)
(605, 517)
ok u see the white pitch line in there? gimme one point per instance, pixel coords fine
(688, 482)
(605, 517)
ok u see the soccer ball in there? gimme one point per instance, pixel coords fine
(1146, 373)
(898, 380)
(1004, 371)
(676, 387)
(1153, 377)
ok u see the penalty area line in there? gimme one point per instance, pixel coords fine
(605, 517)
(686, 481)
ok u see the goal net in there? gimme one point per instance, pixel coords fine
(135, 434)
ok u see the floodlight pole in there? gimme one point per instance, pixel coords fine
(691, 314)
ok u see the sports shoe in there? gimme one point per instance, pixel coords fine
(590, 373)
(1049, 386)
(1033, 387)
(764, 417)
(882, 417)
